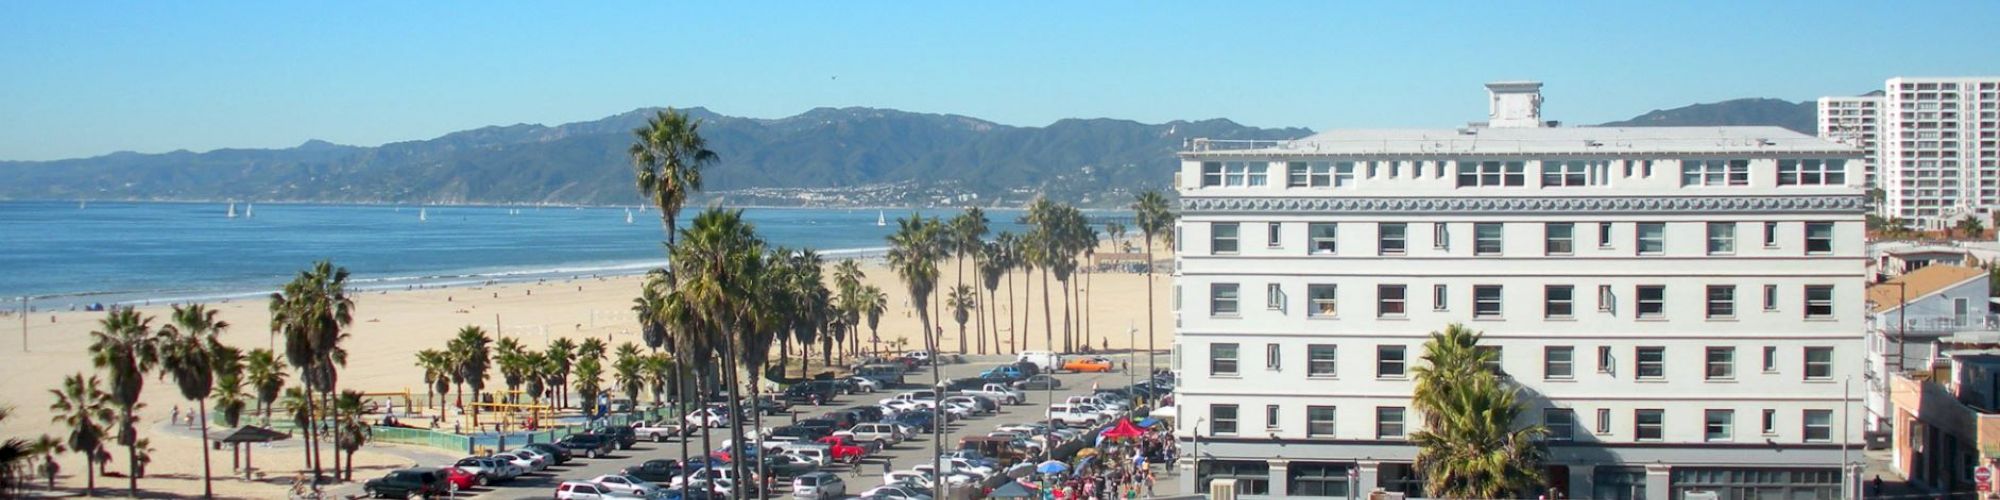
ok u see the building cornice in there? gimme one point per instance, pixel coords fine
(1831, 203)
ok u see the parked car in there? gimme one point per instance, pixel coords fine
(884, 435)
(562, 455)
(789, 465)
(585, 490)
(1009, 372)
(711, 417)
(527, 461)
(896, 492)
(407, 483)
(659, 431)
(920, 420)
(657, 470)
(1038, 382)
(1072, 415)
(1044, 360)
(458, 479)
(815, 453)
(925, 398)
(818, 485)
(869, 413)
(812, 392)
(626, 484)
(588, 445)
(488, 470)
(921, 357)
(621, 434)
(888, 374)
(843, 450)
(866, 385)
(1091, 364)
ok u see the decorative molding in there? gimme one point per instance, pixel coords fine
(1851, 204)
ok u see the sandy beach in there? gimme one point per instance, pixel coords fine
(390, 327)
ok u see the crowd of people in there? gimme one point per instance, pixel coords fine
(1125, 468)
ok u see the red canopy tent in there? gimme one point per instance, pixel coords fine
(1123, 430)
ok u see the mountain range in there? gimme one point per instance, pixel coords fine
(929, 157)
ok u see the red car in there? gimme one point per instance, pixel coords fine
(843, 449)
(459, 479)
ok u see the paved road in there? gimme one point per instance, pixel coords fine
(903, 456)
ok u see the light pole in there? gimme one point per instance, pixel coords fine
(24, 323)
(1194, 435)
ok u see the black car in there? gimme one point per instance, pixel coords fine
(843, 419)
(407, 483)
(588, 445)
(965, 384)
(803, 433)
(868, 413)
(661, 471)
(563, 455)
(922, 420)
(818, 424)
(812, 393)
(1039, 382)
(621, 434)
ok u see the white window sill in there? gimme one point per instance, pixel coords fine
(1227, 316)
(1731, 380)
(1722, 319)
(1483, 319)
(1660, 380)
(1231, 376)
(1661, 318)
(1393, 317)
(1562, 380)
(1564, 319)
(1322, 317)
(1322, 377)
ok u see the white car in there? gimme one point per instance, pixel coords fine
(488, 470)
(908, 478)
(1045, 360)
(924, 398)
(957, 464)
(816, 453)
(1073, 415)
(626, 484)
(865, 384)
(529, 462)
(710, 417)
(581, 490)
(717, 477)
(896, 492)
(659, 431)
(883, 434)
(969, 403)
(954, 478)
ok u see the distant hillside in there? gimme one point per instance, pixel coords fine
(585, 162)
(1802, 117)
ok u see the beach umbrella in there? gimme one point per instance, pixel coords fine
(1052, 467)
(1014, 489)
(1123, 430)
(1149, 422)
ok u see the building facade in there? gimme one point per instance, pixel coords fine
(1936, 158)
(1908, 315)
(1682, 307)
(1855, 121)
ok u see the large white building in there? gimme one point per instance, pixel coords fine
(1682, 306)
(1937, 154)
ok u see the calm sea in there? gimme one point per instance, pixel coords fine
(67, 253)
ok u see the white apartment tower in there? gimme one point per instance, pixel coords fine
(1854, 121)
(1682, 306)
(1936, 158)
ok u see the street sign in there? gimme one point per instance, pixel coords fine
(1982, 476)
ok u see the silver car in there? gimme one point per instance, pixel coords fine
(818, 485)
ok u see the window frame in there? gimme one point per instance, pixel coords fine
(1715, 172)
(1383, 423)
(1216, 421)
(1819, 308)
(1770, 298)
(1550, 363)
(1560, 423)
(1274, 235)
(1719, 302)
(1554, 245)
(1604, 230)
(1718, 363)
(1331, 240)
(1488, 302)
(1657, 303)
(1721, 238)
(1274, 357)
(1327, 308)
(1383, 238)
(1216, 238)
(1653, 244)
(1770, 235)
(1821, 244)
(1327, 366)
(1824, 367)
(1572, 173)
(1812, 172)
(1217, 297)
(1331, 423)
(1491, 173)
(1401, 361)
(1710, 425)
(1485, 244)
(1216, 359)
(1274, 297)
(1383, 300)
(1558, 301)
(1645, 369)
(1641, 426)
(1807, 427)
(1440, 297)
(1273, 417)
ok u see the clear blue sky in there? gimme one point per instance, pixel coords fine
(88, 78)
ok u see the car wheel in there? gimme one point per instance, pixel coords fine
(414, 496)
(479, 480)
(659, 438)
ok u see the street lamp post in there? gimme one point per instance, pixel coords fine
(1194, 435)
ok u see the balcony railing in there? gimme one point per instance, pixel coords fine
(1232, 144)
(1970, 323)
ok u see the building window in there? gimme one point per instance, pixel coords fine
(1561, 424)
(1819, 301)
(1234, 174)
(1389, 422)
(1604, 363)
(1322, 238)
(1603, 420)
(1274, 297)
(1721, 238)
(1222, 237)
(1441, 236)
(1222, 359)
(1819, 238)
(1274, 235)
(1819, 363)
(1389, 361)
(1605, 300)
(1559, 238)
(1652, 238)
(1486, 301)
(1818, 426)
(1558, 301)
(1572, 173)
(1273, 359)
(1652, 362)
(1440, 301)
(1652, 301)
(1770, 235)
(1770, 422)
(1221, 419)
(1603, 235)
(1721, 301)
(1812, 172)
(1770, 359)
(1309, 479)
(1770, 297)
(1649, 424)
(1394, 238)
(1486, 238)
(1322, 360)
(1491, 173)
(1319, 421)
(1721, 363)
(1718, 425)
(1222, 299)
(1177, 297)
(1715, 172)
(1389, 300)
(1271, 417)
(1211, 174)
(1312, 174)
(1558, 362)
(1322, 301)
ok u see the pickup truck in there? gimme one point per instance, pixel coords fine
(883, 435)
(843, 449)
(1073, 416)
(927, 399)
(999, 392)
(659, 431)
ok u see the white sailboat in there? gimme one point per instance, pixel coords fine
(82, 204)
(422, 215)
(232, 211)
(881, 219)
(249, 210)
(628, 216)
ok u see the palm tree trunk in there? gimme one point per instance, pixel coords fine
(334, 408)
(131, 451)
(937, 414)
(979, 316)
(1013, 330)
(89, 474)
(207, 481)
(1048, 315)
(757, 422)
(1083, 311)
(1152, 366)
(1069, 336)
(730, 377)
(681, 382)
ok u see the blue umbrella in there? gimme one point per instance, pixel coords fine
(1149, 422)
(1052, 467)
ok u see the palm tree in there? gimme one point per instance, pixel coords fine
(265, 372)
(511, 357)
(124, 346)
(1155, 220)
(993, 265)
(589, 382)
(720, 263)
(297, 405)
(354, 432)
(562, 352)
(437, 367)
(1009, 257)
(187, 351)
(470, 348)
(668, 155)
(1470, 447)
(1971, 227)
(873, 303)
(47, 448)
(659, 370)
(627, 371)
(593, 348)
(961, 302)
(964, 237)
(537, 370)
(646, 307)
(83, 407)
(913, 255)
(312, 311)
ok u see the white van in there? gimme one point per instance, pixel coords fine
(1045, 360)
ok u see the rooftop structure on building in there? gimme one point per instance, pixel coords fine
(1649, 289)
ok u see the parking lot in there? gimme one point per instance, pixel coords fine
(903, 456)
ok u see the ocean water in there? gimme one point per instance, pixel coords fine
(64, 253)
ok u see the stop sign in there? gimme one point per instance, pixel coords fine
(1983, 476)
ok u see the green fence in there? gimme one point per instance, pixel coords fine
(421, 437)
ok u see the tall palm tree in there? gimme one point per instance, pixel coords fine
(961, 302)
(593, 348)
(913, 254)
(562, 352)
(993, 266)
(719, 262)
(511, 358)
(1470, 447)
(1008, 248)
(537, 372)
(873, 303)
(312, 311)
(187, 352)
(83, 407)
(472, 349)
(628, 370)
(437, 367)
(125, 347)
(659, 371)
(297, 405)
(668, 155)
(354, 432)
(1971, 226)
(966, 233)
(646, 308)
(589, 383)
(265, 372)
(1156, 221)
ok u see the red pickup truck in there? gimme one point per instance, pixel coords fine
(843, 449)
